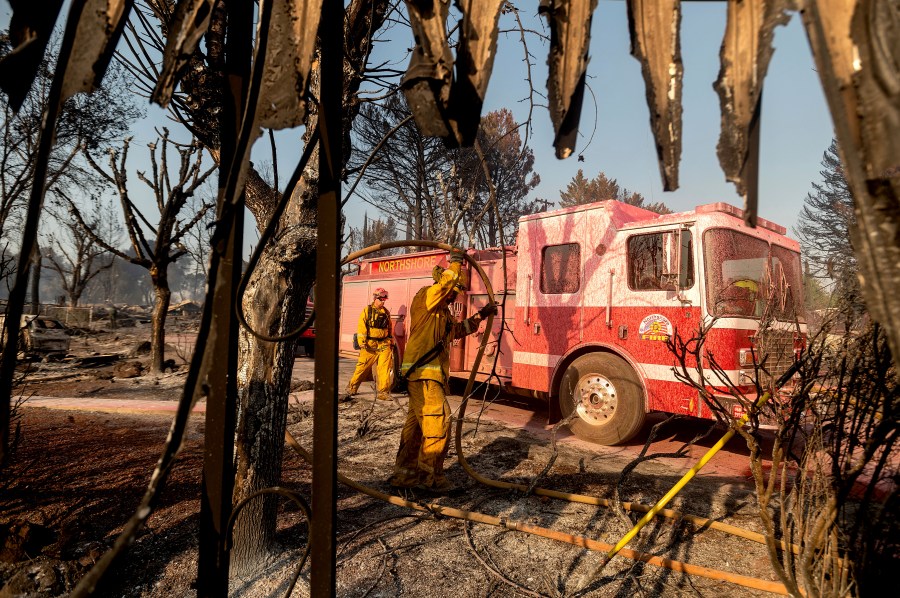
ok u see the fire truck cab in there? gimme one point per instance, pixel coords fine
(593, 293)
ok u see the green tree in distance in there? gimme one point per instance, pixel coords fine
(823, 229)
(582, 190)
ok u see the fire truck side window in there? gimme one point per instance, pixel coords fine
(646, 262)
(561, 269)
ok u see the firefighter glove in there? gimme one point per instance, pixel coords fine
(456, 256)
(488, 310)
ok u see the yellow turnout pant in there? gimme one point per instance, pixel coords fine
(425, 438)
(377, 356)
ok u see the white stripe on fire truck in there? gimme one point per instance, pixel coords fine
(666, 373)
(538, 359)
(651, 371)
(747, 324)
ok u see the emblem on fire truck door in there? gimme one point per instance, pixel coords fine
(655, 327)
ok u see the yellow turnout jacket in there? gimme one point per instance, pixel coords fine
(431, 322)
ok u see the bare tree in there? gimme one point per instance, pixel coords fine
(94, 123)
(153, 247)
(827, 498)
(439, 193)
(373, 232)
(455, 194)
(74, 255)
(401, 165)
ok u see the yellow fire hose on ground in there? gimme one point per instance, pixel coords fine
(704, 523)
(700, 464)
(437, 509)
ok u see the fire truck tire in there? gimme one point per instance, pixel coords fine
(606, 395)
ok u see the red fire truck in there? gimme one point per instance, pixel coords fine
(592, 293)
(307, 339)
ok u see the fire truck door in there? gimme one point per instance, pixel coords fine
(551, 285)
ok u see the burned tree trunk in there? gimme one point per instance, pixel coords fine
(163, 296)
(275, 298)
(36, 259)
(275, 303)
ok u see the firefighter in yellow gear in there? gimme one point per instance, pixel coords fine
(425, 438)
(376, 347)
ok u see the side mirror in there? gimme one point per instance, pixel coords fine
(671, 247)
(684, 262)
(676, 260)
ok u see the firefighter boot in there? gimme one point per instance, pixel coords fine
(441, 487)
(348, 394)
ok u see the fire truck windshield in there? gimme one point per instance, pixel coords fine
(747, 277)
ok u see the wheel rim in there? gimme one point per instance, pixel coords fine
(595, 399)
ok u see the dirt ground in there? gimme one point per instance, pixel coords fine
(77, 476)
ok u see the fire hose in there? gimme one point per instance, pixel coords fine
(700, 464)
(581, 541)
(702, 522)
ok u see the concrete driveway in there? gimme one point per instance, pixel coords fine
(531, 415)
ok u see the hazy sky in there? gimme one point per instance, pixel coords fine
(796, 126)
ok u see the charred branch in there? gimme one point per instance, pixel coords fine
(429, 77)
(570, 35)
(656, 42)
(745, 54)
(854, 45)
(30, 28)
(474, 64)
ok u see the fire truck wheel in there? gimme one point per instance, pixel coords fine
(607, 397)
